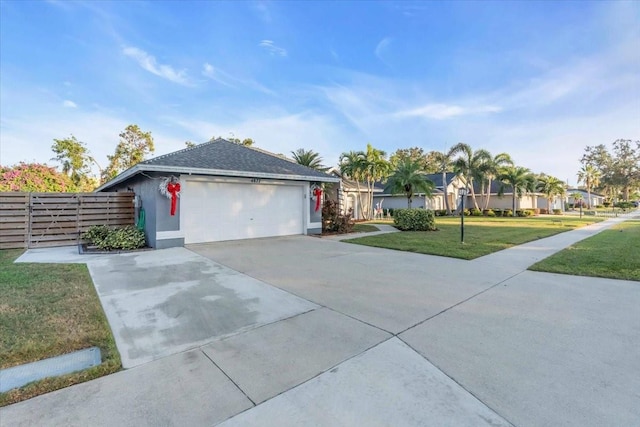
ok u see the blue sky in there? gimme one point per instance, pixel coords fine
(539, 80)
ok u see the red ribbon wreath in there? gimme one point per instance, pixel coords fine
(173, 189)
(317, 192)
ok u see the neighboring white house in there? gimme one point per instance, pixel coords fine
(596, 199)
(435, 202)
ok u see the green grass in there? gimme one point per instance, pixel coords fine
(612, 253)
(364, 228)
(47, 310)
(483, 235)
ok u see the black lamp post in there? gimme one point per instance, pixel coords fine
(462, 192)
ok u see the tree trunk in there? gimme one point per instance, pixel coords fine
(513, 212)
(359, 199)
(486, 206)
(473, 194)
(409, 202)
(588, 197)
(445, 191)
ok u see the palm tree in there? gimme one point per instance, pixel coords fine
(376, 168)
(521, 181)
(551, 187)
(492, 169)
(308, 158)
(445, 161)
(409, 179)
(471, 165)
(352, 166)
(590, 176)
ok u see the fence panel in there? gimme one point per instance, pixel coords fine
(37, 220)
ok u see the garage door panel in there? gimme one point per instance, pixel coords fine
(215, 211)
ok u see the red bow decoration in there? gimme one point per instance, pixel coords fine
(317, 192)
(173, 189)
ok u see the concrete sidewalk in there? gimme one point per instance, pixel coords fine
(359, 336)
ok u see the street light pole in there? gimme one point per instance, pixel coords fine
(463, 193)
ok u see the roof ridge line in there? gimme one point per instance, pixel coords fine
(179, 151)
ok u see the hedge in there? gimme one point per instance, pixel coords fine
(414, 219)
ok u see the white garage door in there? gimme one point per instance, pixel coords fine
(216, 211)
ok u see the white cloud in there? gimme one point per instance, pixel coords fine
(446, 111)
(382, 47)
(271, 47)
(226, 79)
(69, 104)
(149, 63)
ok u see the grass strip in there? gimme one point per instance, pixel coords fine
(483, 235)
(612, 253)
(47, 310)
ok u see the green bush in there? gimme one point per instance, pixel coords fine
(528, 212)
(441, 212)
(476, 212)
(414, 220)
(624, 205)
(490, 212)
(606, 204)
(467, 212)
(107, 239)
(507, 212)
(599, 206)
(557, 211)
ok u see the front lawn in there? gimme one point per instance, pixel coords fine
(483, 235)
(47, 310)
(612, 253)
(364, 228)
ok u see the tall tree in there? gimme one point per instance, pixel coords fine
(471, 165)
(308, 158)
(492, 168)
(377, 168)
(626, 165)
(590, 177)
(409, 179)
(76, 161)
(190, 144)
(133, 147)
(352, 166)
(521, 181)
(445, 161)
(428, 161)
(551, 187)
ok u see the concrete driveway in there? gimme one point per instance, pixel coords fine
(308, 331)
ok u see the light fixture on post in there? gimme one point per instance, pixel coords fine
(462, 192)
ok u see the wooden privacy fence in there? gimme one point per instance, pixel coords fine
(37, 220)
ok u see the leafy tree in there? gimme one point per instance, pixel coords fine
(471, 165)
(352, 166)
(590, 177)
(247, 142)
(133, 147)
(376, 168)
(34, 177)
(308, 158)
(190, 144)
(428, 161)
(492, 168)
(619, 169)
(408, 178)
(76, 161)
(551, 187)
(521, 181)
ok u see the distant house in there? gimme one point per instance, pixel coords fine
(596, 199)
(435, 202)
(501, 197)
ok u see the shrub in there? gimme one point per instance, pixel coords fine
(544, 211)
(414, 220)
(623, 205)
(467, 212)
(333, 221)
(557, 211)
(390, 212)
(476, 212)
(498, 212)
(528, 212)
(490, 212)
(519, 213)
(107, 239)
(441, 212)
(606, 204)
(507, 212)
(599, 206)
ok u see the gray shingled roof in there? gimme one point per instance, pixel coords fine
(224, 158)
(227, 156)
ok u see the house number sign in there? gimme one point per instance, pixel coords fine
(255, 180)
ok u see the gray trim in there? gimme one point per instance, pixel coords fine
(169, 243)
